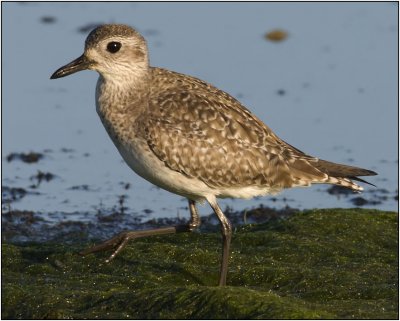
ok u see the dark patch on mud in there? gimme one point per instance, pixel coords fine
(374, 197)
(83, 187)
(11, 194)
(125, 186)
(360, 201)
(31, 157)
(67, 150)
(339, 190)
(281, 92)
(41, 177)
(48, 19)
(371, 197)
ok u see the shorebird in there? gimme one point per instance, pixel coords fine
(188, 137)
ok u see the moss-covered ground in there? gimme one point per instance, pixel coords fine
(337, 263)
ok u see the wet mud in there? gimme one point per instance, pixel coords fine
(29, 226)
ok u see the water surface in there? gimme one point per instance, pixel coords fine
(330, 89)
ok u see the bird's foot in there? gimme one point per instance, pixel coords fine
(116, 243)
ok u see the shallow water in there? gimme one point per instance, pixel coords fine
(329, 89)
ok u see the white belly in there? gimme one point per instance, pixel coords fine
(142, 160)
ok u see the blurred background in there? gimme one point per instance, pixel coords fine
(323, 76)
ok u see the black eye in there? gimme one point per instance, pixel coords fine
(113, 46)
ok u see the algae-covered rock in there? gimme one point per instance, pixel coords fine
(316, 264)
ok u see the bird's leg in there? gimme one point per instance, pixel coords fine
(118, 242)
(226, 229)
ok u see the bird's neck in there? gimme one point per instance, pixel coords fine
(122, 93)
(119, 103)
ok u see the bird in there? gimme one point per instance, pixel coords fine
(189, 137)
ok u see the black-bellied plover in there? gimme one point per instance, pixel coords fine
(188, 137)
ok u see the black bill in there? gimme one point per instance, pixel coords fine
(80, 63)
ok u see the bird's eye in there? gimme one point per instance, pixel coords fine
(113, 46)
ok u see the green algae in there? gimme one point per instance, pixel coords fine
(337, 263)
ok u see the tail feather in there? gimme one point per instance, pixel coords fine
(343, 174)
(337, 173)
(339, 170)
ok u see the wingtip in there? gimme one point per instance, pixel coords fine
(362, 180)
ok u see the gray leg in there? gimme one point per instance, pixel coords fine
(118, 242)
(226, 229)
(194, 216)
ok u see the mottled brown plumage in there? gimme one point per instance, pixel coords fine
(189, 137)
(206, 134)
